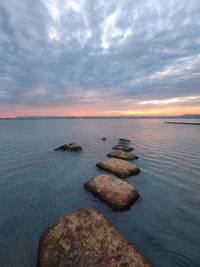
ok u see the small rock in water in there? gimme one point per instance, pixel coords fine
(127, 148)
(119, 167)
(124, 140)
(103, 138)
(117, 147)
(119, 194)
(86, 238)
(70, 147)
(123, 147)
(120, 154)
(123, 143)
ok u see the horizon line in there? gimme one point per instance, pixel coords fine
(98, 116)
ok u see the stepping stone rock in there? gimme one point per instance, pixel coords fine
(124, 140)
(123, 143)
(120, 154)
(119, 167)
(70, 147)
(86, 238)
(117, 193)
(123, 147)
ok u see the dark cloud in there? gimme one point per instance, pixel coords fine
(54, 52)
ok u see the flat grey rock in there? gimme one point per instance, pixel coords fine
(124, 140)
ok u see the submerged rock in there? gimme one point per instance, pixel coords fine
(123, 147)
(117, 193)
(86, 238)
(120, 154)
(70, 147)
(119, 167)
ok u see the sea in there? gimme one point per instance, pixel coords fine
(39, 185)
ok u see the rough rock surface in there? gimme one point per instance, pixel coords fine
(120, 154)
(123, 147)
(117, 193)
(119, 167)
(70, 147)
(86, 238)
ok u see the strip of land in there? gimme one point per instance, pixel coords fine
(177, 122)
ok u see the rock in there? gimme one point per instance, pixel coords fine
(120, 154)
(127, 149)
(124, 140)
(86, 238)
(119, 167)
(117, 147)
(70, 147)
(123, 143)
(103, 138)
(123, 147)
(117, 193)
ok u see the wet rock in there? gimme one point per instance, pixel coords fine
(86, 238)
(104, 138)
(124, 140)
(123, 143)
(128, 148)
(117, 193)
(119, 167)
(123, 147)
(120, 154)
(117, 147)
(70, 147)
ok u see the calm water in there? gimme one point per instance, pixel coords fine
(38, 185)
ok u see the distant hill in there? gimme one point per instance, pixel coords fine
(193, 116)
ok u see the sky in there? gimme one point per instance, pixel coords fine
(102, 58)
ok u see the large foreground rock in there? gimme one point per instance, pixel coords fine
(119, 167)
(86, 238)
(117, 193)
(70, 147)
(120, 154)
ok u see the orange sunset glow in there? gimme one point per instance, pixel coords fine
(84, 110)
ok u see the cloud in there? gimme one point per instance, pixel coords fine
(170, 101)
(69, 52)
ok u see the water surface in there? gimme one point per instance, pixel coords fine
(38, 185)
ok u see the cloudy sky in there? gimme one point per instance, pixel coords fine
(88, 57)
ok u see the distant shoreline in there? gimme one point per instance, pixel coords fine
(97, 118)
(185, 116)
(174, 122)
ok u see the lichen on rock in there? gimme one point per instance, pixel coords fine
(118, 194)
(120, 154)
(70, 147)
(86, 238)
(119, 167)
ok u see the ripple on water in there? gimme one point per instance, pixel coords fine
(38, 185)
